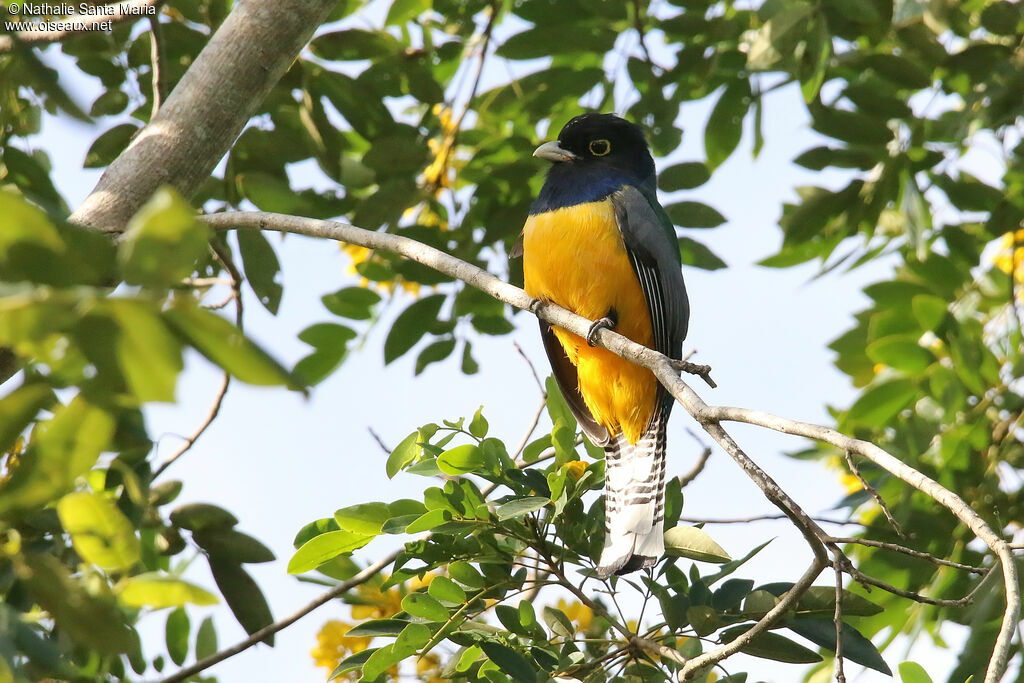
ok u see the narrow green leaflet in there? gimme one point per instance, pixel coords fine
(157, 591)
(725, 125)
(100, 533)
(520, 507)
(912, 672)
(558, 409)
(176, 633)
(410, 326)
(423, 606)
(444, 589)
(324, 547)
(882, 402)
(62, 449)
(148, 353)
(262, 269)
(509, 661)
(856, 647)
(19, 408)
(233, 545)
(772, 646)
(461, 460)
(226, 346)
(162, 242)
(364, 518)
(695, 544)
(404, 453)
(243, 596)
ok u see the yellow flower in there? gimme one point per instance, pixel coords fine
(850, 483)
(578, 613)
(575, 469)
(358, 255)
(1010, 257)
(333, 646)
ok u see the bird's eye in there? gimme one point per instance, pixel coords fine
(600, 147)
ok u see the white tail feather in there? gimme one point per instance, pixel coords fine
(634, 502)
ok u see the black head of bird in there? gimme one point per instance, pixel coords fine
(594, 155)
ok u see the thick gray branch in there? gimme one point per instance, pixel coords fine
(709, 417)
(207, 110)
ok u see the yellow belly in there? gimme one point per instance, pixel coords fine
(575, 257)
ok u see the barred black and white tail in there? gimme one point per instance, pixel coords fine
(634, 499)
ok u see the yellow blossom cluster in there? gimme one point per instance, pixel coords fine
(1010, 256)
(440, 174)
(334, 645)
(359, 255)
(578, 613)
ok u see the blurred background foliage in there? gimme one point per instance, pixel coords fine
(408, 123)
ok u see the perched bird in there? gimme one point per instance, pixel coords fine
(598, 243)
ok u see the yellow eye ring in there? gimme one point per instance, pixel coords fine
(600, 148)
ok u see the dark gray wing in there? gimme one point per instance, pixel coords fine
(568, 381)
(654, 253)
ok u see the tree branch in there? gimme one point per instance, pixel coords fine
(86, 23)
(208, 108)
(258, 636)
(709, 417)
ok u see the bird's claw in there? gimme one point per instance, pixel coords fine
(605, 323)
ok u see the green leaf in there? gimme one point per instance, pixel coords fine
(404, 453)
(91, 618)
(478, 425)
(929, 310)
(411, 325)
(155, 590)
(176, 634)
(882, 402)
(356, 661)
(18, 409)
(206, 639)
(423, 606)
(109, 145)
(354, 44)
(377, 627)
(558, 622)
(509, 661)
(225, 345)
(822, 600)
(461, 460)
(558, 409)
(148, 353)
(355, 303)
(324, 547)
(856, 647)
(520, 507)
(725, 124)
(243, 596)
(694, 215)
(546, 40)
(262, 269)
(163, 241)
(197, 516)
(62, 449)
(427, 521)
(100, 533)
(466, 574)
(695, 544)
(233, 545)
(446, 590)
(684, 176)
(901, 353)
(912, 672)
(434, 353)
(772, 646)
(364, 518)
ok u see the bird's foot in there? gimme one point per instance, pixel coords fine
(606, 323)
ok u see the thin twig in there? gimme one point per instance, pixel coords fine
(380, 441)
(837, 617)
(874, 494)
(533, 370)
(708, 416)
(911, 552)
(115, 13)
(157, 60)
(530, 430)
(698, 466)
(702, 371)
(339, 590)
(762, 518)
